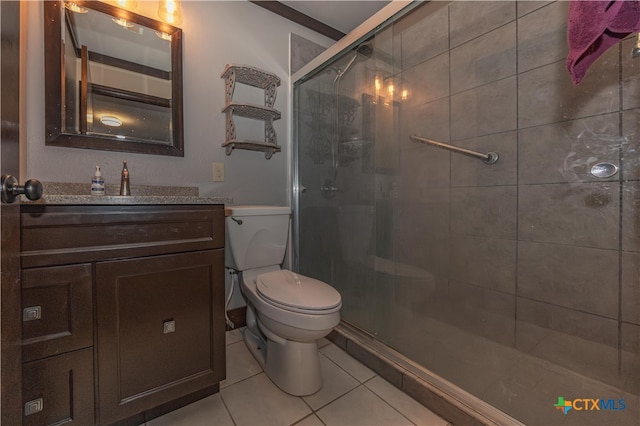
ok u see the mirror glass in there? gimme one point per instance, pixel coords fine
(113, 79)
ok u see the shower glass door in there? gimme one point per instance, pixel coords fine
(519, 281)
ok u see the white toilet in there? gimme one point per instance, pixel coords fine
(286, 312)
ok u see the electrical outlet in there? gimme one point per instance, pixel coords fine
(218, 172)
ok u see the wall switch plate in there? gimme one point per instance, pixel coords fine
(218, 172)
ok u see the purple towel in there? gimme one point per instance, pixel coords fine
(593, 27)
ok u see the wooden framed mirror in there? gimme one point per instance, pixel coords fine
(113, 79)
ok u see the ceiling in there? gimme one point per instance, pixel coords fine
(344, 16)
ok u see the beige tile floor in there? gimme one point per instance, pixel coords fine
(352, 395)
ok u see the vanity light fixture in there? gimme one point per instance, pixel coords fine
(111, 121)
(73, 7)
(170, 11)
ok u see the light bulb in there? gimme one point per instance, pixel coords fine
(170, 11)
(127, 4)
(391, 89)
(377, 84)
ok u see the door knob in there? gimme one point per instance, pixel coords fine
(32, 189)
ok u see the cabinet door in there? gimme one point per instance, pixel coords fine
(160, 330)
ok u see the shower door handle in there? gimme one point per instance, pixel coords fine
(301, 188)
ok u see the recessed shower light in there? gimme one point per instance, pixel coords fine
(109, 120)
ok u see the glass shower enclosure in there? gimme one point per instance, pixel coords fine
(517, 281)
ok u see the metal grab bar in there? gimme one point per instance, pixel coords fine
(488, 158)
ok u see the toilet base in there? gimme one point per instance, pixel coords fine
(293, 366)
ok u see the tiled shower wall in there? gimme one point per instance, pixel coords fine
(533, 253)
(534, 243)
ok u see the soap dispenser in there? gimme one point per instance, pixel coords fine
(125, 189)
(97, 183)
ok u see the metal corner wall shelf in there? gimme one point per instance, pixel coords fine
(263, 80)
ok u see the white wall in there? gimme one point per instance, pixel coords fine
(215, 33)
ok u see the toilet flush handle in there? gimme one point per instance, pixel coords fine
(238, 221)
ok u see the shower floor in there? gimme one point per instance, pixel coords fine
(524, 383)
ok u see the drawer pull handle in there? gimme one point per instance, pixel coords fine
(33, 406)
(168, 326)
(32, 313)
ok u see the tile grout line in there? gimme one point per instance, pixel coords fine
(351, 375)
(227, 408)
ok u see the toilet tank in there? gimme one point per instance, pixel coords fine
(256, 236)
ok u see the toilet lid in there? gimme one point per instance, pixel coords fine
(297, 291)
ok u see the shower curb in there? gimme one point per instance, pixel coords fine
(438, 395)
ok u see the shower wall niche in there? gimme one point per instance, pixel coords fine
(518, 281)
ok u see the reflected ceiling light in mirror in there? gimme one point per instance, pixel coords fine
(73, 7)
(377, 84)
(170, 11)
(111, 121)
(122, 22)
(389, 88)
(163, 36)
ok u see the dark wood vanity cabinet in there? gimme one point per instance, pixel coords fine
(123, 310)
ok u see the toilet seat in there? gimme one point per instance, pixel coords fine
(297, 293)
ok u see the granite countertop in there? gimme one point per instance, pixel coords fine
(133, 199)
(79, 194)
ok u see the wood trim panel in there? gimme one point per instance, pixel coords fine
(129, 66)
(300, 18)
(84, 89)
(11, 333)
(127, 95)
(56, 235)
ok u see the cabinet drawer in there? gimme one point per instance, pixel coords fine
(56, 235)
(59, 390)
(61, 297)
